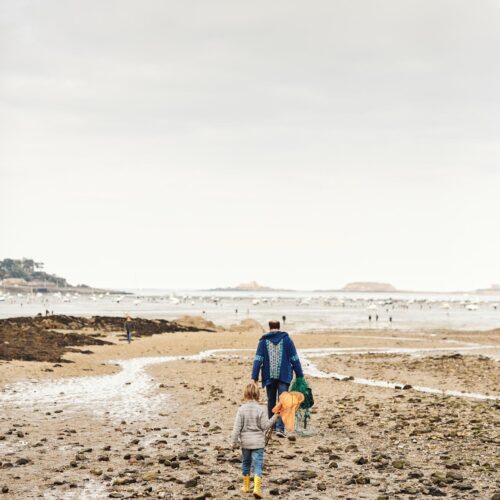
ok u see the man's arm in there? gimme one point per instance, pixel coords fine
(294, 359)
(257, 362)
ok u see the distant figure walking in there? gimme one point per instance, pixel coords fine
(369, 317)
(128, 328)
(284, 319)
(277, 357)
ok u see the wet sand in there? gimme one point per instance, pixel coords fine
(115, 424)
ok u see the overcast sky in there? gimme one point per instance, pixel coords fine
(301, 144)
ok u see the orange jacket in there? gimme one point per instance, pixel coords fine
(287, 406)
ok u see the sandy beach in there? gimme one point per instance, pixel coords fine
(152, 419)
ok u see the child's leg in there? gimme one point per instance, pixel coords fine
(246, 461)
(258, 461)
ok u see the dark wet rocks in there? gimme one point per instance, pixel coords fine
(359, 479)
(23, 461)
(435, 492)
(399, 464)
(305, 475)
(192, 483)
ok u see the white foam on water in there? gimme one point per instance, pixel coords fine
(313, 371)
(128, 394)
(328, 351)
(92, 490)
(12, 448)
(131, 394)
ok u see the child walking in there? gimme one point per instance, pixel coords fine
(249, 429)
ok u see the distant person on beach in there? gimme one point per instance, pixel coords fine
(277, 357)
(284, 319)
(369, 317)
(249, 431)
(128, 328)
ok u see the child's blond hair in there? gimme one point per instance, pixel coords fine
(251, 393)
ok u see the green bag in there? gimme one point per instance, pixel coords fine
(300, 385)
(304, 412)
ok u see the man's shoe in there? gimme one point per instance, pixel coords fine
(280, 433)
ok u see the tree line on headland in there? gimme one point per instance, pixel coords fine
(28, 270)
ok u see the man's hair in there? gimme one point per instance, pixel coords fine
(251, 392)
(274, 325)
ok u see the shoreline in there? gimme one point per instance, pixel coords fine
(158, 424)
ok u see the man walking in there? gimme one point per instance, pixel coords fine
(277, 357)
(128, 328)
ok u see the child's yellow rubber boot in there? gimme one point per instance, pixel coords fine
(257, 487)
(246, 484)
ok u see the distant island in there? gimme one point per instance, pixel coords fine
(251, 286)
(27, 275)
(368, 286)
(492, 289)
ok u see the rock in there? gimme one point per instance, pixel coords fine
(359, 479)
(463, 486)
(103, 458)
(496, 496)
(399, 464)
(5, 489)
(191, 483)
(436, 492)
(333, 465)
(415, 475)
(119, 481)
(22, 461)
(306, 474)
(409, 490)
(361, 461)
(456, 476)
(438, 477)
(321, 487)
(274, 492)
(149, 476)
(406, 387)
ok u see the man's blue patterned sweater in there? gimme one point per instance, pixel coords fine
(277, 357)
